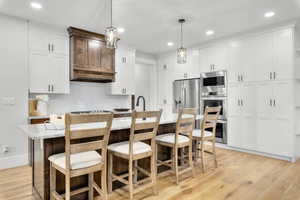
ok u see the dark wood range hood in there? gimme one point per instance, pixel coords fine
(90, 60)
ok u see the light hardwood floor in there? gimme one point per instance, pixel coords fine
(239, 176)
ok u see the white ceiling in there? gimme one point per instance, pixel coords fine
(150, 24)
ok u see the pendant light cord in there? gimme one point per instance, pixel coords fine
(111, 13)
(181, 36)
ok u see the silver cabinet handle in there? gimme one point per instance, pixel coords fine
(239, 78)
(48, 88)
(271, 102)
(49, 48)
(274, 75)
(239, 102)
(52, 47)
(242, 102)
(52, 88)
(242, 78)
(270, 75)
(274, 103)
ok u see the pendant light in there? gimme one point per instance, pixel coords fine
(111, 33)
(181, 51)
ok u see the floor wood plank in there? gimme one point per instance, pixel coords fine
(239, 176)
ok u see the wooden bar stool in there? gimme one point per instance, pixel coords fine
(203, 135)
(179, 140)
(134, 150)
(80, 157)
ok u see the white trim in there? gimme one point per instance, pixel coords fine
(13, 161)
(146, 61)
(224, 146)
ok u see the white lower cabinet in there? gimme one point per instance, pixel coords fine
(260, 117)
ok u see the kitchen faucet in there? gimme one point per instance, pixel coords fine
(144, 103)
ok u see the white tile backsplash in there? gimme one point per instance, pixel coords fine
(86, 96)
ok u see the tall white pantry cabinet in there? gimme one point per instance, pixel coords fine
(263, 86)
(261, 93)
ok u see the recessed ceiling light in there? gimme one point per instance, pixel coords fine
(210, 32)
(269, 14)
(121, 30)
(170, 44)
(36, 5)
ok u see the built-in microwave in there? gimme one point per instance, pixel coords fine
(214, 83)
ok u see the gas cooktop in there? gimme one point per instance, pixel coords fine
(90, 111)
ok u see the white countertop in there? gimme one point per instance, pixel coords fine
(39, 131)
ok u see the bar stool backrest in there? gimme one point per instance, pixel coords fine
(211, 116)
(78, 138)
(185, 123)
(144, 127)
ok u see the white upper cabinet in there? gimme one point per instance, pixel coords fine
(48, 60)
(190, 69)
(124, 67)
(214, 57)
(283, 55)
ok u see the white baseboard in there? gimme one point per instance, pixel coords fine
(224, 146)
(13, 161)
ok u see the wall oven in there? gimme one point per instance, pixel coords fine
(214, 93)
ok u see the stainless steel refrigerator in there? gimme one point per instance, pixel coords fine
(186, 94)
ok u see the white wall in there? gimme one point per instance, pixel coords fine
(13, 84)
(87, 96)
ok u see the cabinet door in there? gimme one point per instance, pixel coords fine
(265, 136)
(38, 39)
(264, 100)
(235, 61)
(107, 59)
(203, 60)
(39, 72)
(283, 58)
(59, 73)
(275, 137)
(247, 61)
(60, 45)
(234, 131)
(283, 100)
(80, 51)
(234, 100)
(94, 54)
(262, 56)
(248, 106)
(220, 57)
(248, 133)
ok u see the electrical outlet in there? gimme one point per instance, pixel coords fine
(8, 100)
(5, 149)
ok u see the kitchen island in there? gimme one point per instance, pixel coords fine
(48, 142)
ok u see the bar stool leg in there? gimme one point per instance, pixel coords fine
(154, 173)
(110, 172)
(202, 156)
(176, 165)
(214, 151)
(91, 189)
(52, 181)
(135, 171)
(191, 158)
(103, 183)
(68, 187)
(130, 179)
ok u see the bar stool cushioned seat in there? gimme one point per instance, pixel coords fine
(170, 138)
(197, 133)
(78, 160)
(123, 147)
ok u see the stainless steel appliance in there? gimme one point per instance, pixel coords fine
(214, 83)
(214, 93)
(186, 94)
